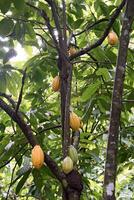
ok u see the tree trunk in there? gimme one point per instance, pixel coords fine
(112, 148)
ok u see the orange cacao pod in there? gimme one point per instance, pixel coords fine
(67, 165)
(56, 84)
(112, 38)
(74, 121)
(37, 157)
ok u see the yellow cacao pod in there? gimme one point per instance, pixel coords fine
(72, 51)
(72, 152)
(67, 165)
(112, 38)
(74, 121)
(56, 84)
(37, 157)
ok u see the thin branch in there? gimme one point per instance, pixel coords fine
(56, 19)
(91, 26)
(21, 91)
(34, 7)
(128, 100)
(50, 28)
(43, 14)
(100, 41)
(45, 40)
(50, 128)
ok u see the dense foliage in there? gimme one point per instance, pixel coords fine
(92, 84)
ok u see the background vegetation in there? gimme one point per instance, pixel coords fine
(22, 27)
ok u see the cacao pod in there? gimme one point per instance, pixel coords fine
(72, 152)
(74, 121)
(37, 157)
(56, 84)
(72, 51)
(67, 165)
(112, 38)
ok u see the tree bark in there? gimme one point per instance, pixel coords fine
(112, 147)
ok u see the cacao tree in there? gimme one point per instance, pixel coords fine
(66, 100)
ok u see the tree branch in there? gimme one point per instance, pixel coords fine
(8, 97)
(21, 91)
(64, 23)
(43, 14)
(56, 19)
(112, 147)
(91, 26)
(45, 40)
(100, 41)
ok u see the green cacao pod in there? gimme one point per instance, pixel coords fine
(72, 152)
(67, 165)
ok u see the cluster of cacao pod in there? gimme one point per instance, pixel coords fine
(112, 38)
(37, 157)
(70, 161)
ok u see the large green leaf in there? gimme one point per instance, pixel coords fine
(19, 5)
(103, 72)
(6, 27)
(90, 90)
(22, 181)
(5, 5)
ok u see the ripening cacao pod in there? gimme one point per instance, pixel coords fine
(112, 38)
(72, 152)
(67, 165)
(56, 84)
(72, 51)
(74, 121)
(37, 157)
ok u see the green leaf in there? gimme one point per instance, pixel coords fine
(103, 72)
(92, 88)
(30, 31)
(11, 83)
(78, 23)
(2, 81)
(19, 5)
(22, 181)
(6, 27)
(5, 5)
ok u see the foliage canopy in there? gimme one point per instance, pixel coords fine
(92, 84)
